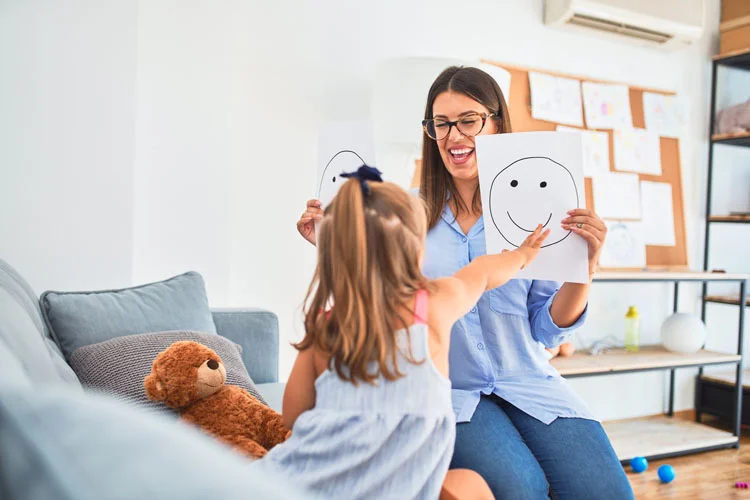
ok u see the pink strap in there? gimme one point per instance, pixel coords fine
(420, 307)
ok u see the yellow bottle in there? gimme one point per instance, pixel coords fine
(632, 329)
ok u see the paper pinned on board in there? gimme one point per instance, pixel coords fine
(637, 150)
(606, 105)
(342, 147)
(501, 76)
(595, 150)
(662, 114)
(532, 178)
(556, 99)
(616, 196)
(625, 246)
(658, 213)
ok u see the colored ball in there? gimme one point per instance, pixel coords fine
(638, 464)
(666, 473)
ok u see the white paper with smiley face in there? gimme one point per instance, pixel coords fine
(533, 178)
(342, 147)
(528, 192)
(331, 180)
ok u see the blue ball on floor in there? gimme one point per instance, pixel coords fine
(666, 473)
(638, 464)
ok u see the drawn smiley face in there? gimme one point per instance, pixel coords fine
(531, 191)
(331, 181)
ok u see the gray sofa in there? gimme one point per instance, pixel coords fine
(59, 441)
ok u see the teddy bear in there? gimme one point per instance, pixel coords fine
(191, 378)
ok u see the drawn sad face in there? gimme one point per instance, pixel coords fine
(528, 192)
(331, 181)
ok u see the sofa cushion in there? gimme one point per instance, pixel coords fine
(23, 332)
(66, 445)
(76, 319)
(257, 331)
(118, 366)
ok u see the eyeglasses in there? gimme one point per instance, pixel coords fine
(469, 125)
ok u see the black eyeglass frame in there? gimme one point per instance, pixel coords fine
(483, 116)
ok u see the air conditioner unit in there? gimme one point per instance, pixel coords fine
(662, 23)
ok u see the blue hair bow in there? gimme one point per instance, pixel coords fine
(364, 174)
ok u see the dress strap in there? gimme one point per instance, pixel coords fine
(420, 307)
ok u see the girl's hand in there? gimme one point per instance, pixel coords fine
(532, 244)
(306, 222)
(591, 228)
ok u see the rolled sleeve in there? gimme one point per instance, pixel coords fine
(543, 327)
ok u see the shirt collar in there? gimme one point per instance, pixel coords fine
(450, 219)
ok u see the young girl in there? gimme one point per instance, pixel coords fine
(369, 399)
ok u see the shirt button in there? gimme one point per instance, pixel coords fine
(480, 346)
(463, 238)
(490, 385)
(473, 309)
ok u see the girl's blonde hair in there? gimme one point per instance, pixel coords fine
(369, 253)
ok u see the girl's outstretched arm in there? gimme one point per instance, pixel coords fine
(456, 295)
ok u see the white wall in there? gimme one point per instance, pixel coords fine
(66, 141)
(225, 99)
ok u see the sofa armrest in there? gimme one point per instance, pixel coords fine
(257, 332)
(273, 394)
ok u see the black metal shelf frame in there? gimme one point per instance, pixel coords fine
(737, 420)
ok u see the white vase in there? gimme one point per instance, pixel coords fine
(683, 333)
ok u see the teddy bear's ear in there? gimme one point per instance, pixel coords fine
(154, 388)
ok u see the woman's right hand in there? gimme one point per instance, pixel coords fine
(306, 222)
(532, 244)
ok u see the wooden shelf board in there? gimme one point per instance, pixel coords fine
(647, 358)
(668, 276)
(735, 139)
(728, 378)
(733, 135)
(726, 299)
(738, 58)
(661, 435)
(729, 218)
(719, 57)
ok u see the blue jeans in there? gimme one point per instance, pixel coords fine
(522, 458)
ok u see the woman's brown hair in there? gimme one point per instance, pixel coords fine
(369, 253)
(436, 183)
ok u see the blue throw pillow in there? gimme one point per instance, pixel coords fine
(76, 319)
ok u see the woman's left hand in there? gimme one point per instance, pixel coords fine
(591, 228)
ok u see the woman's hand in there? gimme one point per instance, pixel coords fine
(306, 222)
(532, 244)
(591, 228)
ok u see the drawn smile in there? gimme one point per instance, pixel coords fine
(528, 230)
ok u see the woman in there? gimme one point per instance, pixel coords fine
(519, 424)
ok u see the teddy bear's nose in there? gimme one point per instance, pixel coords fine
(213, 364)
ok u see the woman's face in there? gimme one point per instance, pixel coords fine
(456, 149)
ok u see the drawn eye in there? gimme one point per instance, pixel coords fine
(513, 183)
(334, 179)
(543, 184)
